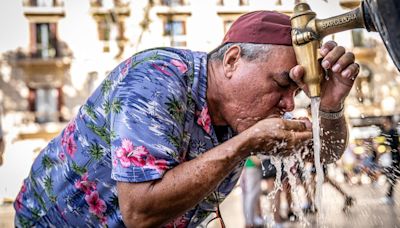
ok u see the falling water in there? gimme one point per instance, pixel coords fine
(315, 101)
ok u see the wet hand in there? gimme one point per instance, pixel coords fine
(275, 136)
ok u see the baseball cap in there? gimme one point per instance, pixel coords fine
(260, 27)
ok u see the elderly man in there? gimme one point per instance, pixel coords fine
(162, 141)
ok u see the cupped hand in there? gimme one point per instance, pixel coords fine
(276, 136)
(341, 70)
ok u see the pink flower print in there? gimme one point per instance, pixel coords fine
(162, 69)
(124, 71)
(61, 156)
(204, 120)
(103, 220)
(180, 222)
(18, 200)
(71, 145)
(129, 155)
(85, 185)
(115, 163)
(136, 156)
(125, 68)
(23, 188)
(64, 139)
(160, 165)
(180, 65)
(128, 62)
(71, 127)
(97, 206)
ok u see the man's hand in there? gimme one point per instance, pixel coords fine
(278, 136)
(341, 73)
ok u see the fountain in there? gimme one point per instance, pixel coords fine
(308, 31)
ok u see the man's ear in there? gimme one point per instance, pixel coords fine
(231, 59)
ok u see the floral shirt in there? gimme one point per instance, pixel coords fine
(148, 115)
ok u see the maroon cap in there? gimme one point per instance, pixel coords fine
(260, 27)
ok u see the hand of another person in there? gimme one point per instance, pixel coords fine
(341, 70)
(276, 136)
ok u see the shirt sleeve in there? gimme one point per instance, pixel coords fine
(148, 118)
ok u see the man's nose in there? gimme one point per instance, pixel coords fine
(287, 103)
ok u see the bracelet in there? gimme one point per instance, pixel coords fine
(332, 115)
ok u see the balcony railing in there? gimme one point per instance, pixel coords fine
(35, 8)
(43, 3)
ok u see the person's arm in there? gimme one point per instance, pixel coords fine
(334, 139)
(154, 203)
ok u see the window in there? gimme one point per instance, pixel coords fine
(104, 29)
(174, 28)
(42, 3)
(244, 2)
(46, 105)
(232, 2)
(46, 40)
(172, 2)
(45, 3)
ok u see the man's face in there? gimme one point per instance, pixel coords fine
(261, 89)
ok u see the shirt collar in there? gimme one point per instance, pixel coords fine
(199, 93)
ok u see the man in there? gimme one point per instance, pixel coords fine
(154, 146)
(392, 172)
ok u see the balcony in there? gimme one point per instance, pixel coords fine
(44, 10)
(42, 72)
(100, 8)
(30, 129)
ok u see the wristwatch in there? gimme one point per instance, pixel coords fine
(332, 115)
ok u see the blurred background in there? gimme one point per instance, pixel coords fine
(53, 54)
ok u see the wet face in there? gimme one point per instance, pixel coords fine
(260, 89)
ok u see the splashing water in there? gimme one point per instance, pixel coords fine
(315, 101)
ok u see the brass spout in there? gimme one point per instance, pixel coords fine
(306, 41)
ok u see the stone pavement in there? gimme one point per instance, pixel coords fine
(368, 211)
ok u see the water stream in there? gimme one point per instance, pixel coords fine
(315, 101)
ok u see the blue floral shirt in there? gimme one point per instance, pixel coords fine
(148, 115)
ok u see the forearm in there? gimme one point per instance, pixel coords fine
(334, 139)
(181, 188)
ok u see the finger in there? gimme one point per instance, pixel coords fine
(327, 47)
(294, 125)
(343, 62)
(351, 71)
(298, 139)
(332, 57)
(296, 74)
